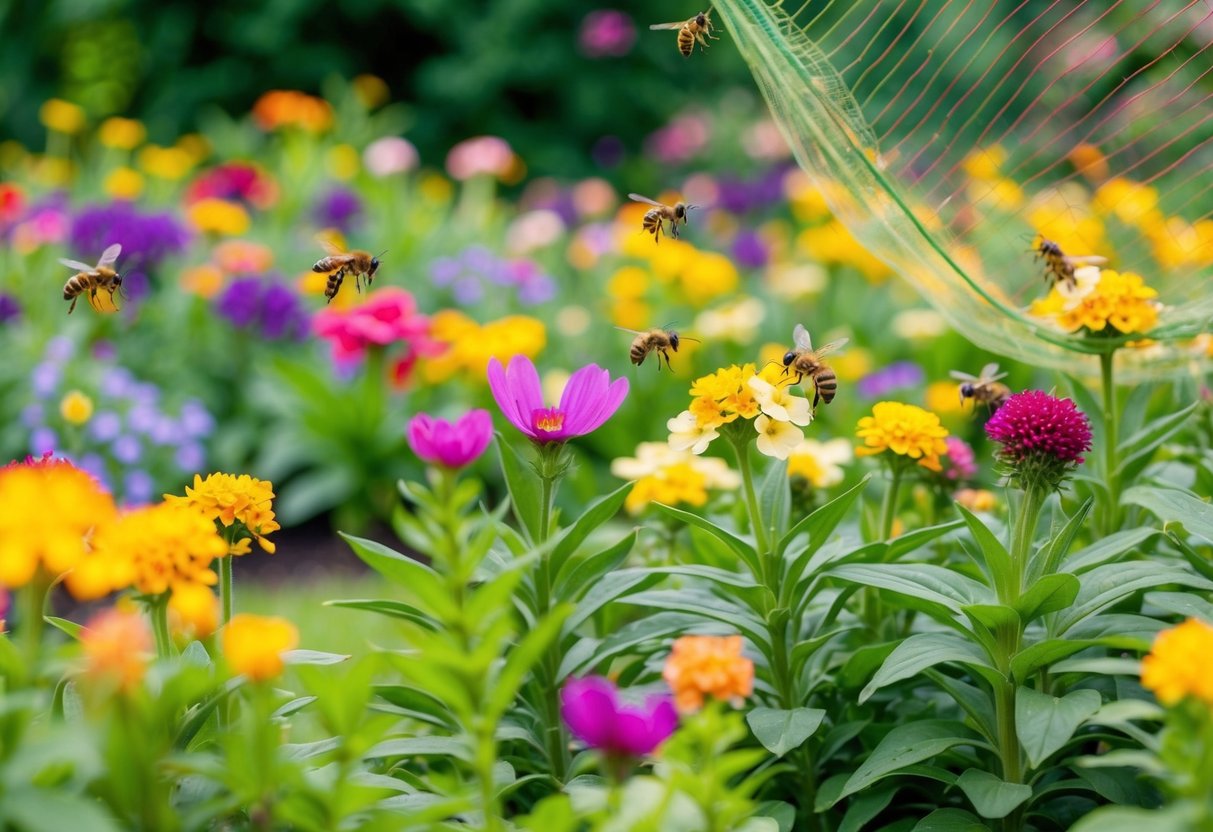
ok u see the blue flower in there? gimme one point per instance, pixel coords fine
(33, 416)
(896, 376)
(190, 458)
(196, 420)
(45, 379)
(43, 441)
(127, 449)
(105, 426)
(138, 487)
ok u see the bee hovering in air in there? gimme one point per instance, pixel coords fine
(656, 217)
(698, 28)
(93, 279)
(661, 341)
(1059, 267)
(338, 263)
(803, 360)
(983, 389)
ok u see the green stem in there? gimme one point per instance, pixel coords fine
(1023, 536)
(742, 449)
(888, 506)
(33, 605)
(225, 587)
(157, 609)
(1111, 440)
(556, 738)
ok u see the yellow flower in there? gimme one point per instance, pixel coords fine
(789, 282)
(708, 275)
(736, 321)
(218, 216)
(121, 133)
(253, 645)
(976, 499)
(1120, 299)
(820, 462)
(229, 499)
(1089, 160)
(117, 646)
(49, 510)
(124, 183)
(1130, 202)
(1002, 194)
(170, 163)
(779, 404)
(905, 430)
(155, 549)
(942, 397)
(62, 116)
(702, 666)
(195, 146)
(631, 314)
(371, 90)
(833, 245)
(76, 408)
(193, 609)
(984, 163)
(663, 474)
(1179, 244)
(343, 161)
(628, 283)
(1065, 216)
(244, 257)
(470, 346)
(205, 281)
(1178, 664)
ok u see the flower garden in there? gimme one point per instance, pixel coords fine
(875, 496)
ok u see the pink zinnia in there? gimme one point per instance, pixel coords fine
(453, 445)
(607, 33)
(960, 462)
(589, 399)
(593, 712)
(480, 155)
(1034, 427)
(389, 315)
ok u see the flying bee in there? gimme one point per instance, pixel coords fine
(803, 360)
(93, 279)
(338, 263)
(656, 217)
(661, 341)
(1059, 267)
(698, 28)
(983, 389)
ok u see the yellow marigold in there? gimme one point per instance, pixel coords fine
(820, 462)
(229, 499)
(218, 216)
(205, 281)
(702, 666)
(62, 116)
(708, 275)
(976, 499)
(985, 163)
(1130, 202)
(170, 163)
(1179, 244)
(50, 508)
(833, 245)
(157, 549)
(904, 429)
(117, 646)
(1178, 663)
(1065, 216)
(666, 475)
(123, 183)
(121, 133)
(628, 283)
(193, 610)
(290, 108)
(470, 345)
(1120, 299)
(253, 645)
(76, 408)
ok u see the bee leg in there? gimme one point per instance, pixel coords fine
(73, 306)
(816, 397)
(667, 360)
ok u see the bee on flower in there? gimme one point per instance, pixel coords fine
(1103, 302)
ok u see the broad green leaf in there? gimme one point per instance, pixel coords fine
(991, 796)
(422, 581)
(1044, 653)
(1182, 603)
(1182, 817)
(1047, 559)
(935, 584)
(906, 745)
(903, 544)
(71, 628)
(780, 731)
(1045, 723)
(419, 704)
(997, 559)
(1107, 548)
(1111, 666)
(581, 573)
(775, 498)
(313, 657)
(991, 616)
(708, 606)
(924, 650)
(821, 523)
(457, 747)
(590, 654)
(521, 659)
(293, 706)
(392, 609)
(1049, 594)
(1173, 506)
(594, 516)
(54, 810)
(611, 587)
(866, 806)
(950, 820)
(523, 484)
(743, 549)
(1105, 585)
(1135, 451)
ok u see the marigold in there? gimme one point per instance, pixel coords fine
(1178, 663)
(155, 549)
(469, 346)
(193, 610)
(121, 133)
(290, 108)
(702, 666)
(50, 509)
(124, 183)
(228, 499)
(171, 163)
(254, 644)
(117, 646)
(1120, 299)
(62, 116)
(904, 429)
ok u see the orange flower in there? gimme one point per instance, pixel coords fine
(229, 499)
(117, 646)
(283, 108)
(700, 666)
(254, 644)
(193, 610)
(1178, 663)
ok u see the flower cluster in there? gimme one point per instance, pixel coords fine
(154, 549)
(253, 645)
(905, 431)
(338, 208)
(665, 475)
(1107, 302)
(700, 276)
(1178, 664)
(467, 346)
(961, 462)
(477, 271)
(588, 400)
(147, 239)
(241, 182)
(388, 316)
(266, 306)
(820, 463)
(703, 666)
(1041, 437)
(229, 499)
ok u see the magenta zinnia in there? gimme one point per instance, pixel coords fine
(1040, 434)
(589, 399)
(593, 712)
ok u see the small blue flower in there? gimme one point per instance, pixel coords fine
(45, 379)
(165, 431)
(42, 441)
(33, 416)
(196, 420)
(59, 349)
(105, 426)
(190, 458)
(138, 487)
(127, 449)
(117, 382)
(142, 418)
(93, 464)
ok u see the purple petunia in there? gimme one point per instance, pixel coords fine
(589, 399)
(592, 710)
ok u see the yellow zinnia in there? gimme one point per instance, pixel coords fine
(62, 116)
(904, 429)
(218, 216)
(121, 133)
(1178, 663)
(228, 499)
(1119, 299)
(253, 645)
(76, 408)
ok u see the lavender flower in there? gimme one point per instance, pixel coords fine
(749, 250)
(105, 426)
(240, 302)
(190, 458)
(147, 239)
(138, 487)
(267, 305)
(117, 382)
(126, 449)
(897, 376)
(10, 308)
(43, 440)
(196, 420)
(339, 208)
(32, 415)
(44, 379)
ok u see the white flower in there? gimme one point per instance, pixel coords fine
(820, 462)
(1086, 278)
(737, 321)
(779, 403)
(653, 459)
(686, 434)
(775, 438)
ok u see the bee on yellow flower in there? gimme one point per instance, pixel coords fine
(1113, 303)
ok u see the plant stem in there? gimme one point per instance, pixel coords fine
(742, 449)
(1111, 441)
(1023, 535)
(33, 603)
(556, 739)
(158, 611)
(225, 587)
(888, 507)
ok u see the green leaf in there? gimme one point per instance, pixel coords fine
(611, 587)
(310, 493)
(821, 523)
(743, 549)
(456, 747)
(1107, 548)
(991, 616)
(589, 654)
(780, 730)
(420, 705)
(950, 820)
(598, 513)
(422, 581)
(523, 484)
(53, 810)
(312, 657)
(1048, 558)
(708, 606)
(924, 650)
(521, 659)
(997, 559)
(1045, 723)
(1136, 451)
(1049, 594)
(1181, 817)
(865, 807)
(935, 584)
(1044, 653)
(906, 745)
(71, 628)
(392, 609)
(580, 574)
(775, 498)
(1182, 603)
(1174, 506)
(991, 796)
(1105, 585)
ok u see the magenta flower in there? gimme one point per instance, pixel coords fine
(1042, 437)
(453, 445)
(960, 462)
(607, 33)
(389, 315)
(589, 399)
(593, 712)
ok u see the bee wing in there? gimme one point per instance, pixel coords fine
(800, 337)
(331, 248)
(109, 256)
(632, 331)
(1087, 260)
(959, 376)
(645, 200)
(677, 24)
(990, 373)
(75, 264)
(833, 346)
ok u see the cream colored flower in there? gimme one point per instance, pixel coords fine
(776, 438)
(820, 462)
(687, 434)
(737, 321)
(1086, 278)
(779, 403)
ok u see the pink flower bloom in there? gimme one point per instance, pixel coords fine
(607, 33)
(389, 155)
(454, 445)
(960, 462)
(480, 155)
(593, 712)
(389, 315)
(589, 399)
(679, 141)
(1033, 426)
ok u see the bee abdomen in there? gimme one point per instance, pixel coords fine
(686, 41)
(827, 385)
(638, 353)
(334, 282)
(73, 287)
(327, 264)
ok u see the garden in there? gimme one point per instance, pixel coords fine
(767, 417)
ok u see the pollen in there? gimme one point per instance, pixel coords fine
(548, 420)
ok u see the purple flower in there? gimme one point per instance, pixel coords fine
(105, 426)
(897, 376)
(126, 449)
(32, 415)
(165, 430)
(589, 399)
(444, 270)
(190, 458)
(59, 349)
(339, 208)
(749, 250)
(10, 308)
(454, 445)
(606, 33)
(196, 420)
(42, 441)
(44, 379)
(1033, 426)
(254, 302)
(240, 302)
(146, 239)
(142, 418)
(960, 463)
(138, 487)
(93, 464)
(117, 382)
(593, 712)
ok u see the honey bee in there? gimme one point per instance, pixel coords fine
(805, 361)
(698, 28)
(93, 279)
(338, 263)
(1059, 267)
(984, 389)
(657, 216)
(660, 341)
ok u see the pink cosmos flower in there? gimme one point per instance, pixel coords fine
(593, 712)
(453, 445)
(388, 315)
(588, 400)
(480, 155)
(606, 33)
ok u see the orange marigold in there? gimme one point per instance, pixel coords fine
(282, 108)
(254, 644)
(228, 499)
(1178, 663)
(701, 666)
(158, 548)
(117, 646)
